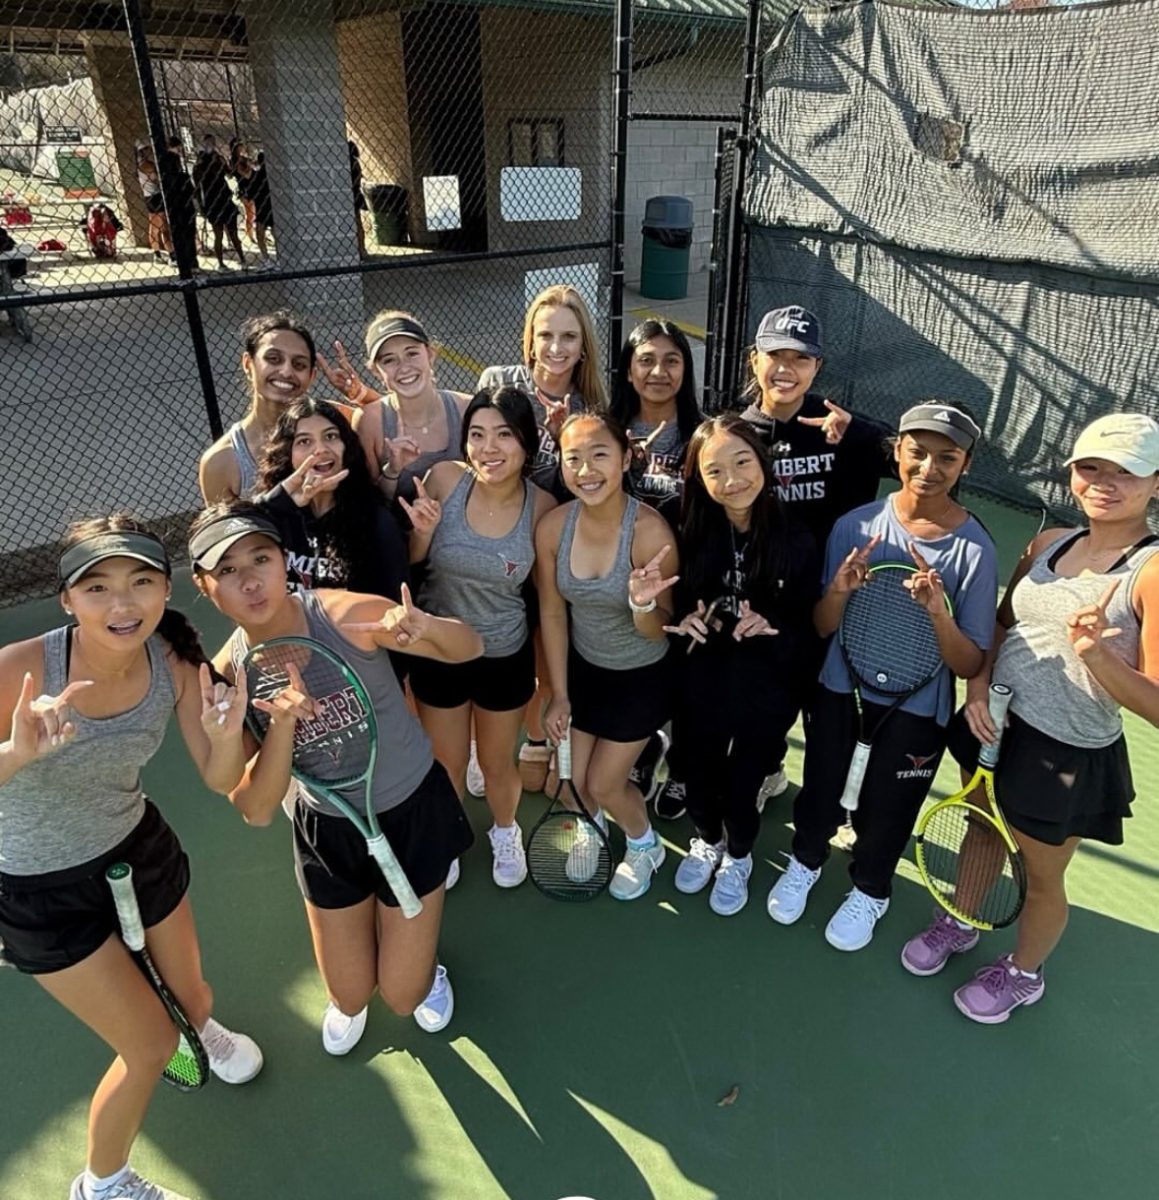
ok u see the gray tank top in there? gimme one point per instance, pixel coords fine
(603, 630)
(1053, 691)
(246, 463)
(479, 579)
(404, 752)
(428, 458)
(78, 802)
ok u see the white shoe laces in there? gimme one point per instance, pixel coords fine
(703, 851)
(506, 845)
(797, 876)
(219, 1043)
(860, 907)
(731, 878)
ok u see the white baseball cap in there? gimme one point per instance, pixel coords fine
(1129, 440)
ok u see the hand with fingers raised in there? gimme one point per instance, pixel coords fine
(752, 624)
(1088, 629)
(834, 424)
(344, 378)
(694, 627)
(926, 586)
(42, 725)
(555, 412)
(425, 513)
(304, 485)
(399, 627)
(647, 582)
(854, 569)
(292, 704)
(398, 454)
(222, 707)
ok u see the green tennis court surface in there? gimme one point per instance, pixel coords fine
(592, 1043)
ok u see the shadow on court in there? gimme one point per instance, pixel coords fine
(592, 1043)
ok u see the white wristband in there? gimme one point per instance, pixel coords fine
(642, 608)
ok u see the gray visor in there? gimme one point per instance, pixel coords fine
(78, 560)
(207, 547)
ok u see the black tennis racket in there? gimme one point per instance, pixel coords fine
(890, 646)
(568, 854)
(966, 854)
(188, 1069)
(336, 752)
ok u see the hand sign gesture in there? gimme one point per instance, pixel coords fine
(834, 424)
(42, 725)
(399, 627)
(424, 513)
(854, 568)
(1087, 627)
(694, 626)
(647, 582)
(344, 377)
(926, 585)
(752, 624)
(555, 412)
(303, 485)
(293, 703)
(398, 454)
(641, 445)
(222, 707)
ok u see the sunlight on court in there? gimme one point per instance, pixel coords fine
(478, 1060)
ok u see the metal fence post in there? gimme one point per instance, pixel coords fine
(621, 96)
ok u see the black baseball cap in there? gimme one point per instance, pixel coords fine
(790, 328)
(208, 545)
(951, 422)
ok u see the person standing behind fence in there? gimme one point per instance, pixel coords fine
(149, 179)
(360, 205)
(279, 362)
(182, 205)
(253, 187)
(211, 179)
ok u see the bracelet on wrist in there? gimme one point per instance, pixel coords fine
(642, 608)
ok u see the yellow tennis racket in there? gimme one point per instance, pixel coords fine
(966, 854)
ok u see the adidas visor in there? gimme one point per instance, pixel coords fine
(945, 419)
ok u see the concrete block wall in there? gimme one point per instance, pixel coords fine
(669, 158)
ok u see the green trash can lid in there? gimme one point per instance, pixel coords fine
(668, 212)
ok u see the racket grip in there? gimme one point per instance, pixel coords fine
(999, 702)
(120, 880)
(856, 776)
(563, 757)
(392, 871)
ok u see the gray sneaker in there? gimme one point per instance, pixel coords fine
(633, 877)
(788, 896)
(130, 1187)
(698, 867)
(730, 892)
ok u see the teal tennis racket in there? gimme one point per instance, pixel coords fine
(336, 752)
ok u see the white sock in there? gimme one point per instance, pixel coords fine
(962, 925)
(96, 1185)
(645, 841)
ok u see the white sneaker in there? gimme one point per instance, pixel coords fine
(453, 875)
(788, 896)
(698, 867)
(851, 927)
(730, 892)
(508, 858)
(436, 1010)
(233, 1057)
(340, 1033)
(583, 859)
(129, 1187)
(774, 785)
(476, 784)
(633, 877)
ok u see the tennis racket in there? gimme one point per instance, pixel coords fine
(188, 1069)
(336, 751)
(568, 854)
(890, 647)
(965, 852)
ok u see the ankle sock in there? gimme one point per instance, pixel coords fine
(95, 1186)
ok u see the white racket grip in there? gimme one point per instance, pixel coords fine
(856, 776)
(392, 871)
(120, 881)
(999, 702)
(563, 757)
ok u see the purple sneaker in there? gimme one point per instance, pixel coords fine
(997, 990)
(930, 950)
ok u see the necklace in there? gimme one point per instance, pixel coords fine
(427, 421)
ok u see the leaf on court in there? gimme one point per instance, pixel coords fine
(730, 1097)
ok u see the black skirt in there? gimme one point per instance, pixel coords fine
(619, 706)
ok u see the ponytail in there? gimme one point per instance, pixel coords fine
(184, 640)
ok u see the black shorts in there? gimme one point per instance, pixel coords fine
(1051, 791)
(427, 832)
(619, 706)
(496, 684)
(154, 203)
(52, 921)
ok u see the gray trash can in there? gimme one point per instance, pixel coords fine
(667, 246)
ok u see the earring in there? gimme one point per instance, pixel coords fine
(68, 610)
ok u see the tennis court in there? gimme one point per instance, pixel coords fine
(592, 1044)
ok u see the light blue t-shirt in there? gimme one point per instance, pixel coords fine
(968, 564)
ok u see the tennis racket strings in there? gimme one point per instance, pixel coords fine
(969, 865)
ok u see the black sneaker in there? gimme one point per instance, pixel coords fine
(644, 773)
(670, 801)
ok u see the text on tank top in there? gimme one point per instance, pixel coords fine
(404, 752)
(603, 630)
(1053, 690)
(81, 800)
(479, 579)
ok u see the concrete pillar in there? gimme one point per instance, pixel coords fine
(118, 93)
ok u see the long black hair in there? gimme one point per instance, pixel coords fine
(175, 627)
(343, 531)
(704, 523)
(513, 404)
(626, 402)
